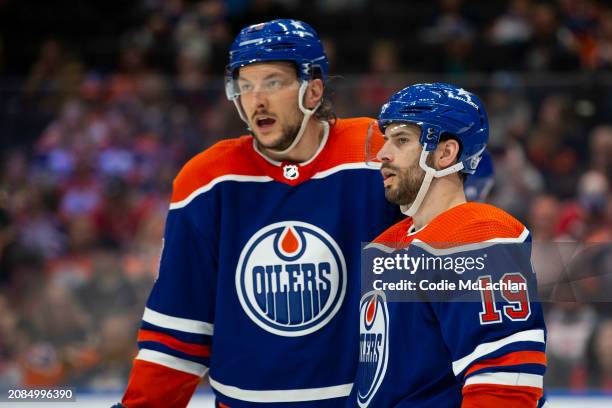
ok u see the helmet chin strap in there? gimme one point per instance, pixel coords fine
(430, 174)
(307, 114)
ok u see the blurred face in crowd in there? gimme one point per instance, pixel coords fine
(593, 192)
(543, 216)
(269, 96)
(400, 163)
(601, 148)
(603, 345)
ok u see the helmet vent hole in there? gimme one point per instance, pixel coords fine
(280, 46)
(415, 110)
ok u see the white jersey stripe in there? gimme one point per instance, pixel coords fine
(504, 378)
(172, 362)
(346, 166)
(471, 247)
(536, 335)
(177, 323)
(214, 182)
(271, 396)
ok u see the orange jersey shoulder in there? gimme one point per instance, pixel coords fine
(396, 236)
(471, 222)
(347, 142)
(231, 156)
(466, 223)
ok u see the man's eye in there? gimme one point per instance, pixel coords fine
(245, 87)
(274, 84)
(402, 140)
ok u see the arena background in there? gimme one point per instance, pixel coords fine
(102, 102)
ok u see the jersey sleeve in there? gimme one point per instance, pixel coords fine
(177, 326)
(497, 342)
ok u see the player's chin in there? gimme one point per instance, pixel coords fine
(391, 194)
(269, 140)
(278, 142)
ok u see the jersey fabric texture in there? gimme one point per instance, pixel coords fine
(454, 354)
(258, 282)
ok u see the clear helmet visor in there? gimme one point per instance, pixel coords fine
(238, 86)
(373, 144)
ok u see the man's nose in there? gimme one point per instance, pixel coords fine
(384, 154)
(260, 98)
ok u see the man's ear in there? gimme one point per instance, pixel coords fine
(314, 93)
(447, 153)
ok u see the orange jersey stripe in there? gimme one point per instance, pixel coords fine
(510, 359)
(196, 350)
(500, 396)
(156, 386)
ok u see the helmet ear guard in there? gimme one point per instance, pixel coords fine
(430, 136)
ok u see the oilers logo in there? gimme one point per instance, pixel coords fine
(291, 278)
(373, 345)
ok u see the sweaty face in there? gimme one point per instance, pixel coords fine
(269, 96)
(400, 163)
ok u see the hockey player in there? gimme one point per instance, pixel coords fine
(434, 353)
(258, 280)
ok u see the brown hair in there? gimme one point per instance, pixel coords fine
(325, 111)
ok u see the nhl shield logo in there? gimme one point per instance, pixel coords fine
(373, 345)
(291, 278)
(291, 171)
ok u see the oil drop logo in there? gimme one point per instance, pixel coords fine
(291, 278)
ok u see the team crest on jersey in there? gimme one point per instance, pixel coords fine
(373, 345)
(291, 278)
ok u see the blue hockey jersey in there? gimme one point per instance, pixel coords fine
(434, 353)
(258, 283)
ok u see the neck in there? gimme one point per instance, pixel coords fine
(306, 147)
(444, 193)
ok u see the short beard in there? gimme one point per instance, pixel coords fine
(410, 181)
(288, 135)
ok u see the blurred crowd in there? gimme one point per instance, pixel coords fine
(88, 154)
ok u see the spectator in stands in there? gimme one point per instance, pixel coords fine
(554, 145)
(569, 325)
(54, 78)
(114, 352)
(600, 357)
(550, 49)
(11, 344)
(600, 145)
(514, 25)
